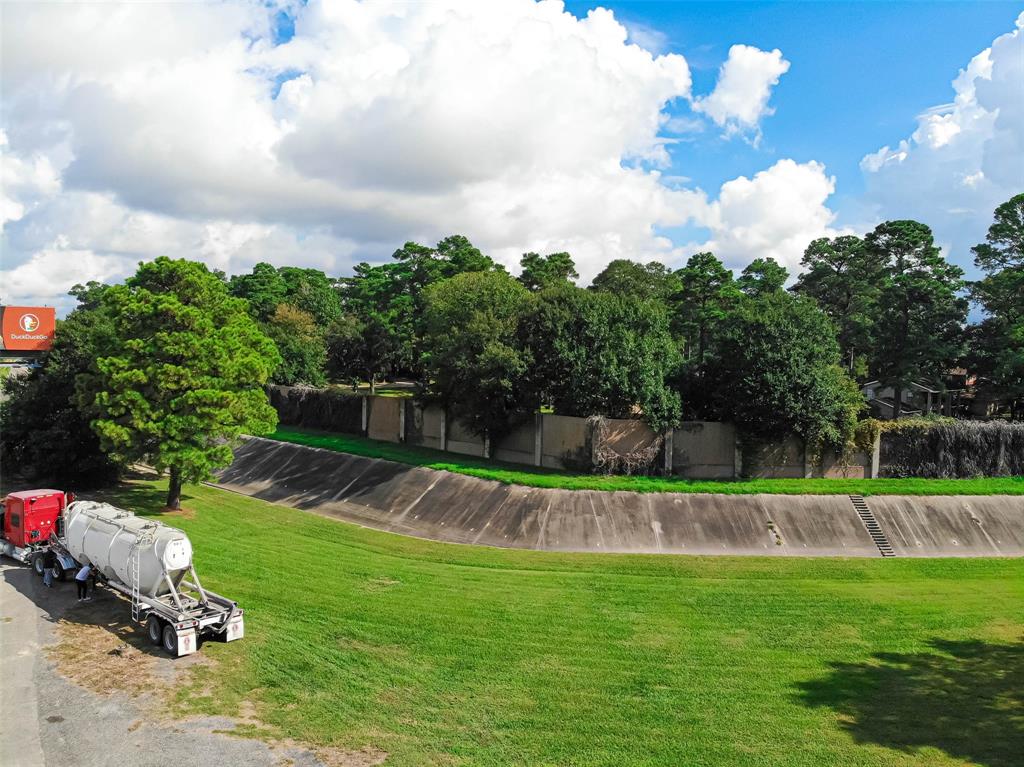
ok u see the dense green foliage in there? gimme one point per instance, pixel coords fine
(45, 433)
(295, 307)
(622, 277)
(761, 277)
(300, 342)
(598, 352)
(182, 375)
(997, 351)
(920, 310)
(539, 272)
(263, 289)
(382, 333)
(643, 341)
(898, 308)
(707, 294)
(515, 474)
(776, 373)
(475, 365)
(845, 278)
(440, 654)
(954, 449)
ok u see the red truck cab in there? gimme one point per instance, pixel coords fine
(30, 517)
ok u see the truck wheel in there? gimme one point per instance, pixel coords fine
(171, 641)
(37, 565)
(59, 573)
(153, 629)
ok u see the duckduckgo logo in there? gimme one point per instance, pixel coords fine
(28, 328)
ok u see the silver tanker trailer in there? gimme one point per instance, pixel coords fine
(151, 564)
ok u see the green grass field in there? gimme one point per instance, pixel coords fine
(457, 655)
(514, 474)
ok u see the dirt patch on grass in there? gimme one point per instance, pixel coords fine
(380, 583)
(364, 757)
(249, 725)
(182, 513)
(98, 648)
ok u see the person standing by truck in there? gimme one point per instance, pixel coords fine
(49, 563)
(82, 582)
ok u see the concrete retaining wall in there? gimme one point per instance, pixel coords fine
(383, 420)
(696, 450)
(704, 450)
(462, 440)
(424, 426)
(562, 437)
(460, 509)
(517, 447)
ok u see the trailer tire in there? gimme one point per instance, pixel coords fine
(170, 642)
(37, 565)
(154, 629)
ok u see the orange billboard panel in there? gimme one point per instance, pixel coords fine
(28, 328)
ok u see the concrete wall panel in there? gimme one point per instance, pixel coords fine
(562, 435)
(778, 460)
(462, 440)
(853, 465)
(423, 426)
(383, 420)
(625, 436)
(704, 450)
(516, 447)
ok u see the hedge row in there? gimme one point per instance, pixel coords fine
(317, 408)
(957, 450)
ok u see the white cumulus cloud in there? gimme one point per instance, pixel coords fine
(134, 130)
(964, 158)
(740, 99)
(774, 214)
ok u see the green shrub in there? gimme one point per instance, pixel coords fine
(951, 449)
(327, 409)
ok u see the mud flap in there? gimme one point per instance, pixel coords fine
(186, 641)
(235, 629)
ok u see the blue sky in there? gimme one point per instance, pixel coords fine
(860, 74)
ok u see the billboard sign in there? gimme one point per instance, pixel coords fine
(28, 328)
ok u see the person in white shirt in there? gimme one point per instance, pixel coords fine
(82, 582)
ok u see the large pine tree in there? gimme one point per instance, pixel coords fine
(919, 330)
(182, 376)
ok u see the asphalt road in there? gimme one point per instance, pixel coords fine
(46, 719)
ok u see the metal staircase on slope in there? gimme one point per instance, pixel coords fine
(873, 528)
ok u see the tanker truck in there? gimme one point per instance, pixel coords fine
(151, 564)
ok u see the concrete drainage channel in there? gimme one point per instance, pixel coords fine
(454, 508)
(872, 526)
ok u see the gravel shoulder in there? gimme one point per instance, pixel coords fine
(80, 686)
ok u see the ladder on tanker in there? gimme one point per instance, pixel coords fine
(133, 572)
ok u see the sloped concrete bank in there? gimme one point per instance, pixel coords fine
(459, 509)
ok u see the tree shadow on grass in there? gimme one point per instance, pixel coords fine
(142, 499)
(964, 698)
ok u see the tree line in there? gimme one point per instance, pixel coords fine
(170, 366)
(644, 340)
